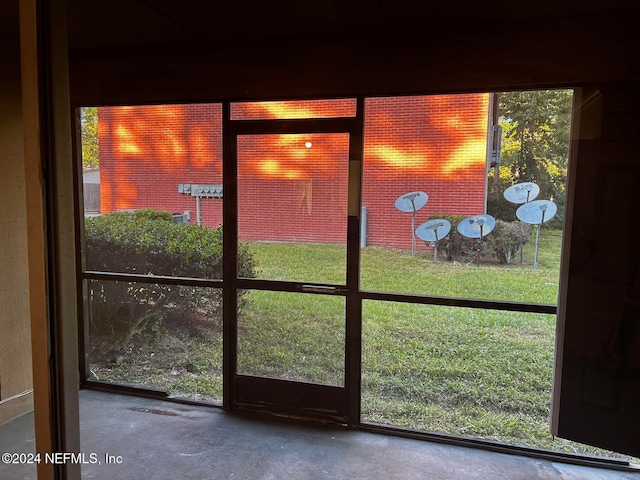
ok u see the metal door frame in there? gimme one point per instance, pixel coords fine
(296, 398)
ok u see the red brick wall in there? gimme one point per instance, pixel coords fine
(287, 192)
(294, 109)
(146, 151)
(434, 144)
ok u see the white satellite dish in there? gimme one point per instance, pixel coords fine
(476, 226)
(412, 202)
(537, 213)
(434, 231)
(522, 192)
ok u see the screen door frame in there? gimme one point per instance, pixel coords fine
(277, 395)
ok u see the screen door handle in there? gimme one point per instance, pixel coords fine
(319, 289)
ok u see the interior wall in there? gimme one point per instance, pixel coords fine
(15, 341)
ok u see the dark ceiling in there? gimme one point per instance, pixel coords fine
(111, 24)
(157, 22)
(149, 51)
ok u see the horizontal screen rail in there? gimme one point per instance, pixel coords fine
(160, 279)
(463, 302)
(294, 126)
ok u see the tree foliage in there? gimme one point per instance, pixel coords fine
(90, 145)
(536, 129)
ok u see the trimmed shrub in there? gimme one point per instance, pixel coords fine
(506, 239)
(148, 242)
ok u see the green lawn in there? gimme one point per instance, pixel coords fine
(472, 372)
(397, 271)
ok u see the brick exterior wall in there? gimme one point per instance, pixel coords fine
(146, 151)
(434, 144)
(288, 192)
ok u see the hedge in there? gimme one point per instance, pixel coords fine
(148, 242)
(501, 244)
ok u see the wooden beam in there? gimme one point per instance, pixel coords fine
(50, 235)
(36, 236)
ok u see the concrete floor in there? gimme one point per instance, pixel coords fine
(162, 440)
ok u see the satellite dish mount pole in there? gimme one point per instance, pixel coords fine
(413, 228)
(402, 204)
(535, 260)
(479, 249)
(480, 245)
(435, 251)
(535, 257)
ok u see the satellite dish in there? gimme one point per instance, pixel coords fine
(411, 202)
(433, 230)
(477, 226)
(537, 212)
(522, 192)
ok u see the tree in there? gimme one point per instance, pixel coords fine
(90, 145)
(536, 128)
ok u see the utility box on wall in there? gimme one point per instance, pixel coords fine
(201, 190)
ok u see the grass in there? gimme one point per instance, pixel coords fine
(304, 335)
(398, 272)
(470, 372)
(488, 372)
(181, 357)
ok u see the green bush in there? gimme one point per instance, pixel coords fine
(502, 243)
(454, 246)
(148, 242)
(506, 239)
